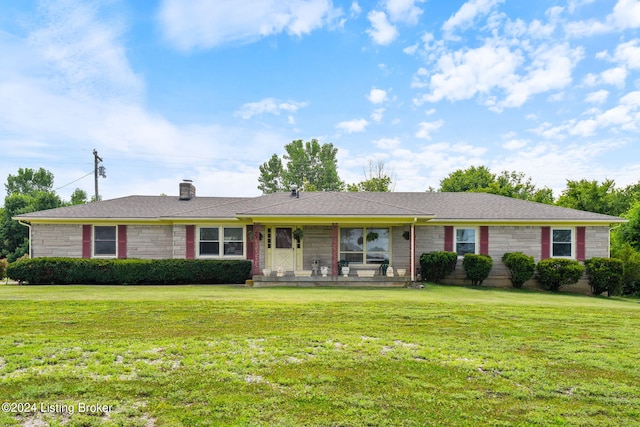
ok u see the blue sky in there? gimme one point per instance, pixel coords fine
(209, 90)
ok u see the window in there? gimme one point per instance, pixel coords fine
(561, 243)
(364, 245)
(231, 243)
(104, 241)
(209, 241)
(465, 241)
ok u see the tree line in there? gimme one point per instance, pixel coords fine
(313, 166)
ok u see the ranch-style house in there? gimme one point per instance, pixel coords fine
(301, 237)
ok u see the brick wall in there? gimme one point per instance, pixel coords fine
(150, 241)
(316, 245)
(179, 233)
(56, 240)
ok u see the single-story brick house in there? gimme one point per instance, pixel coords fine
(299, 231)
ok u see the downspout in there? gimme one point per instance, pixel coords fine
(26, 224)
(610, 230)
(412, 251)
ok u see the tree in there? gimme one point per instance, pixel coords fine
(376, 180)
(78, 197)
(472, 179)
(592, 197)
(629, 232)
(510, 184)
(28, 191)
(28, 181)
(309, 165)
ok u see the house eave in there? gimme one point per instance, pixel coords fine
(530, 222)
(331, 219)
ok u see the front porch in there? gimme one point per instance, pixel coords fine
(319, 281)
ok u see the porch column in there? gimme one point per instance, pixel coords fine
(412, 251)
(256, 249)
(335, 248)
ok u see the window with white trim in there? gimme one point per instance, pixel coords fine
(365, 245)
(562, 243)
(105, 240)
(466, 241)
(221, 241)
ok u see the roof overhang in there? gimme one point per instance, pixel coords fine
(332, 219)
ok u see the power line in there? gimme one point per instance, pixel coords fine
(75, 180)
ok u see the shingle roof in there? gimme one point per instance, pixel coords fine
(442, 206)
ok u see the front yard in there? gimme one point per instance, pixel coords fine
(212, 355)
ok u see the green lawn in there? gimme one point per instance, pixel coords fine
(212, 355)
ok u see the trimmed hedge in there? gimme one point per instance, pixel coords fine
(605, 275)
(554, 273)
(521, 267)
(437, 264)
(3, 268)
(477, 267)
(66, 271)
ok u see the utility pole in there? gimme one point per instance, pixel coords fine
(98, 170)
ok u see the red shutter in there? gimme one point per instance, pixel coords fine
(545, 249)
(580, 243)
(249, 239)
(448, 238)
(191, 239)
(86, 241)
(122, 241)
(484, 240)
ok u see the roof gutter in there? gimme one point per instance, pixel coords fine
(26, 224)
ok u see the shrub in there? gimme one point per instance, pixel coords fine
(437, 264)
(554, 273)
(521, 267)
(605, 275)
(3, 268)
(477, 267)
(631, 268)
(65, 271)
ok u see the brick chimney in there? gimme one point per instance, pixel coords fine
(187, 190)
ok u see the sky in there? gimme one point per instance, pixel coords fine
(169, 90)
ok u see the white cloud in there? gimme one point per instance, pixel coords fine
(377, 96)
(614, 76)
(268, 106)
(550, 70)
(86, 53)
(377, 114)
(355, 9)
(425, 129)
(403, 11)
(466, 15)
(382, 31)
(628, 54)
(623, 117)
(515, 144)
(625, 15)
(353, 126)
(205, 24)
(464, 73)
(597, 97)
(387, 143)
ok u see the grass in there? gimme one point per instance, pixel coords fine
(211, 355)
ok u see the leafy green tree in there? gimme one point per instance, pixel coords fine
(629, 232)
(29, 181)
(78, 197)
(28, 191)
(591, 196)
(377, 179)
(270, 179)
(472, 179)
(309, 165)
(510, 184)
